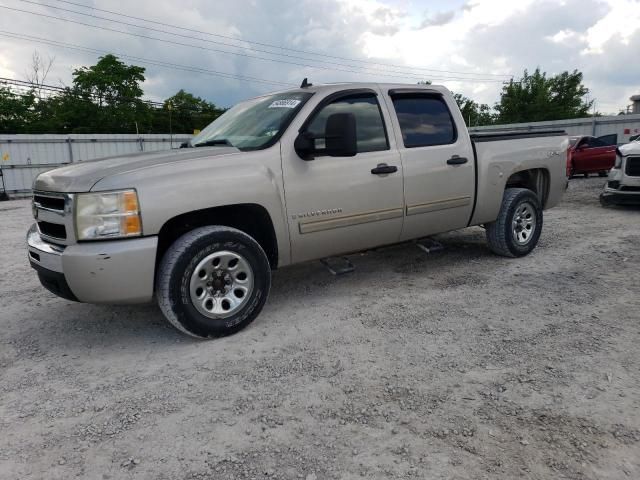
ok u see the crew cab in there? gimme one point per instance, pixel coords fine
(591, 155)
(623, 184)
(285, 178)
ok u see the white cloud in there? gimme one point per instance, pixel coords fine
(622, 20)
(475, 40)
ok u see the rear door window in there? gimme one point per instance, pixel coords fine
(425, 120)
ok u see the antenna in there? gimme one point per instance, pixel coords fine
(306, 84)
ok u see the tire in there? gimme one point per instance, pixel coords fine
(603, 174)
(586, 175)
(230, 294)
(509, 236)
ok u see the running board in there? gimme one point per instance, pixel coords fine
(338, 265)
(429, 245)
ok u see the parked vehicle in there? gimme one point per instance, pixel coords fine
(285, 178)
(623, 184)
(591, 155)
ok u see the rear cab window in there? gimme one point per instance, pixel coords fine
(425, 119)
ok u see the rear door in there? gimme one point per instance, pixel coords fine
(438, 161)
(342, 204)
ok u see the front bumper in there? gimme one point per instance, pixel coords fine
(116, 272)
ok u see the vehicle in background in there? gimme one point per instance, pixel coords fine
(589, 154)
(623, 184)
(285, 178)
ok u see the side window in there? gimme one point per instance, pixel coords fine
(596, 142)
(424, 120)
(372, 136)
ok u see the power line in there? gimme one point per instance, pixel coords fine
(306, 52)
(148, 37)
(158, 63)
(191, 37)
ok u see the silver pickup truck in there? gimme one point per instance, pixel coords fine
(285, 178)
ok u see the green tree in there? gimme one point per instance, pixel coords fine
(107, 97)
(16, 111)
(187, 113)
(537, 97)
(474, 114)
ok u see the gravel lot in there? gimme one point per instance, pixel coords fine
(455, 365)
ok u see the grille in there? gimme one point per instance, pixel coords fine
(53, 212)
(53, 203)
(633, 167)
(53, 230)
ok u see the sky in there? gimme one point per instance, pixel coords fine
(228, 51)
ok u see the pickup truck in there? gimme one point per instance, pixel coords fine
(289, 177)
(623, 184)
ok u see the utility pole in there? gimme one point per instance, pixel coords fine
(170, 107)
(593, 123)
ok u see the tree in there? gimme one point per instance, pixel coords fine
(16, 110)
(474, 114)
(107, 97)
(188, 113)
(537, 98)
(40, 69)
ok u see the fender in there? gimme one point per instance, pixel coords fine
(167, 191)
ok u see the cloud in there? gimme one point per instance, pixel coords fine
(440, 18)
(471, 44)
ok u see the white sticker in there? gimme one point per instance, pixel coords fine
(285, 104)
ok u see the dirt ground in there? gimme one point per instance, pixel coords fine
(454, 365)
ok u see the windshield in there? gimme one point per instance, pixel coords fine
(254, 124)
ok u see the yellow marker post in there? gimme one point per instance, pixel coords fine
(5, 157)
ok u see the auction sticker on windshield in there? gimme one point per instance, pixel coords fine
(285, 104)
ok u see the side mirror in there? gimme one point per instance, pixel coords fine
(340, 135)
(340, 139)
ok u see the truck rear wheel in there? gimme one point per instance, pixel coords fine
(213, 281)
(517, 229)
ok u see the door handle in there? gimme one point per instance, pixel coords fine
(456, 160)
(383, 169)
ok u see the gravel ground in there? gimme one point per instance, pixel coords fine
(454, 365)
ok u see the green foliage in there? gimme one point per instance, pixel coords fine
(16, 111)
(474, 114)
(104, 98)
(186, 113)
(537, 98)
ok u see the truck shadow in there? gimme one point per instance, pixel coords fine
(83, 325)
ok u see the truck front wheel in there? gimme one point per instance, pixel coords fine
(213, 281)
(517, 229)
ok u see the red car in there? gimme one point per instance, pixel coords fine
(591, 155)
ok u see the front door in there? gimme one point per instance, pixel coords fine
(343, 204)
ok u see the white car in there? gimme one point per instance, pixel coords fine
(623, 184)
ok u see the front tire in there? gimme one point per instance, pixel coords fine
(517, 229)
(213, 281)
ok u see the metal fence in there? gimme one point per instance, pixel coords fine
(24, 157)
(623, 126)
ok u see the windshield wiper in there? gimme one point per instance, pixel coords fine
(214, 142)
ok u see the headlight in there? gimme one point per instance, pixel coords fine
(618, 162)
(108, 215)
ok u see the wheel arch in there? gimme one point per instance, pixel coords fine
(250, 218)
(534, 179)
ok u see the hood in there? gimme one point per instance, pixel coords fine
(82, 176)
(632, 148)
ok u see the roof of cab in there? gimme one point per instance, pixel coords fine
(334, 87)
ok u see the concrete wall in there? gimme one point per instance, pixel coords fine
(622, 125)
(24, 157)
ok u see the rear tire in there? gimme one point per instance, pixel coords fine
(213, 281)
(586, 175)
(517, 229)
(603, 174)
